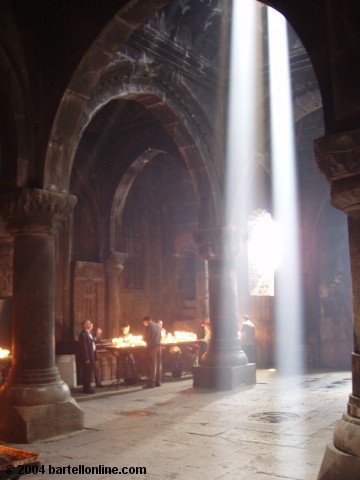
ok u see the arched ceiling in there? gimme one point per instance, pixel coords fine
(123, 128)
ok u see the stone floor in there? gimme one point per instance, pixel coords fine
(275, 430)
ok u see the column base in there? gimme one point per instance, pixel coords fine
(27, 424)
(337, 465)
(342, 456)
(224, 378)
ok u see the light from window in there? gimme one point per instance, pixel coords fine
(264, 247)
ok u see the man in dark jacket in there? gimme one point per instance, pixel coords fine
(97, 337)
(152, 338)
(87, 353)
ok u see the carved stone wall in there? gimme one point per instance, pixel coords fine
(89, 294)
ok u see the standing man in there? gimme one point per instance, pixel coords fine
(162, 329)
(247, 338)
(97, 337)
(152, 338)
(87, 352)
(204, 345)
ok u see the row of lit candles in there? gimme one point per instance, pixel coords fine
(4, 353)
(136, 340)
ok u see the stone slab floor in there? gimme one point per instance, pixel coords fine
(277, 429)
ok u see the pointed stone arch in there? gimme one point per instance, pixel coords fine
(188, 128)
(79, 105)
(124, 187)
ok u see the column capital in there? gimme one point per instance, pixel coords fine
(115, 262)
(218, 242)
(35, 210)
(338, 157)
(345, 194)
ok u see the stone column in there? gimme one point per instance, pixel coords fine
(35, 403)
(225, 365)
(114, 266)
(338, 158)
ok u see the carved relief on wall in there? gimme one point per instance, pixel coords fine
(6, 270)
(89, 292)
(338, 155)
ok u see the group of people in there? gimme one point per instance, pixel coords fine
(87, 352)
(153, 333)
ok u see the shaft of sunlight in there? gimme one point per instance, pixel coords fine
(288, 304)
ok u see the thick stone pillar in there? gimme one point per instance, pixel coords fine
(114, 267)
(35, 403)
(338, 158)
(225, 365)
